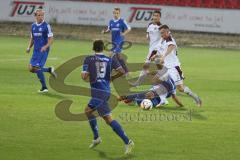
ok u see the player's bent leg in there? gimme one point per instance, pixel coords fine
(42, 80)
(50, 70)
(93, 124)
(108, 119)
(142, 75)
(122, 62)
(189, 92)
(32, 68)
(180, 87)
(120, 132)
(38, 71)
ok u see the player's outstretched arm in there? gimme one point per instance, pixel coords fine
(120, 71)
(176, 100)
(30, 44)
(170, 48)
(105, 31)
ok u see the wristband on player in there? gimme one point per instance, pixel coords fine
(154, 52)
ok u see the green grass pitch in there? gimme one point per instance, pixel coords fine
(29, 128)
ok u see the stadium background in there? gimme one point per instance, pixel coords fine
(211, 20)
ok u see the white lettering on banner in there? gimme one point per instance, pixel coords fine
(93, 13)
(141, 14)
(25, 8)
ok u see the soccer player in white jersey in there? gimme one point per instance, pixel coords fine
(168, 51)
(153, 34)
(154, 37)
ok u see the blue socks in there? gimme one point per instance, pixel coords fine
(115, 126)
(119, 131)
(94, 127)
(137, 96)
(46, 69)
(41, 78)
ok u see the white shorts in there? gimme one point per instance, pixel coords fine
(176, 74)
(160, 90)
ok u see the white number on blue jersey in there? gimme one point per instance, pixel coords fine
(101, 69)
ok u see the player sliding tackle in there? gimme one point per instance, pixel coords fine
(119, 29)
(97, 70)
(163, 87)
(42, 39)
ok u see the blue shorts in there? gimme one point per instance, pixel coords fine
(99, 102)
(39, 58)
(117, 48)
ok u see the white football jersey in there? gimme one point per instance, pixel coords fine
(171, 60)
(154, 35)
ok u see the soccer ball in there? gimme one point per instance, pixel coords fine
(146, 104)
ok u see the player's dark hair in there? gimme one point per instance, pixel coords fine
(117, 9)
(98, 45)
(157, 12)
(164, 26)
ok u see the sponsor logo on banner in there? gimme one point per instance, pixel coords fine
(142, 14)
(25, 8)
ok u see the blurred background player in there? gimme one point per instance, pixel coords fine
(41, 38)
(97, 69)
(154, 37)
(168, 52)
(119, 29)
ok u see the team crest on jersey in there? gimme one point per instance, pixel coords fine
(40, 29)
(117, 24)
(34, 28)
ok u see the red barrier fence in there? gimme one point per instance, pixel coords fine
(224, 4)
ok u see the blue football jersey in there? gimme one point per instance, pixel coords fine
(117, 27)
(99, 68)
(40, 33)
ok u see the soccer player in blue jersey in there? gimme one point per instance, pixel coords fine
(119, 29)
(41, 39)
(97, 70)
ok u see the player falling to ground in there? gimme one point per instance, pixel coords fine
(119, 29)
(163, 87)
(168, 51)
(154, 37)
(97, 69)
(41, 38)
